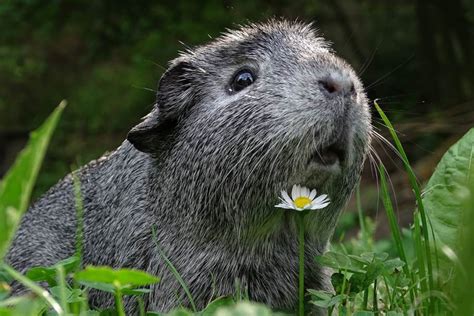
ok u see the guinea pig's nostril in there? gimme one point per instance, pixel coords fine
(329, 85)
(352, 89)
(337, 84)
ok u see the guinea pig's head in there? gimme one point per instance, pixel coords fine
(254, 112)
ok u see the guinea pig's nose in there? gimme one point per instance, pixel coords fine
(337, 84)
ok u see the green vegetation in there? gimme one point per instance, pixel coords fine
(106, 58)
(427, 274)
(16, 187)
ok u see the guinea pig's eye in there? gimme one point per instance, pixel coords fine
(242, 79)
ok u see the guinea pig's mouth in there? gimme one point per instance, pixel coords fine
(329, 155)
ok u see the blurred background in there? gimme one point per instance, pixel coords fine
(106, 57)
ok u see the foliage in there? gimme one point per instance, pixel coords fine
(397, 284)
(443, 198)
(366, 281)
(17, 185)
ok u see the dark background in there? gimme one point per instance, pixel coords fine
(106, 57)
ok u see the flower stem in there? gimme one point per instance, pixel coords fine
(119, 301)
(301, 263)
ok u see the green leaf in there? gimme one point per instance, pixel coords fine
(110, 288)
(244, 308)
(4, 290)
(17, 185)
(337, 280)
(48, 274)
(179, 312)
(99, 286)
(443, 197)
(27, 307)
(392, 264)
(325, 299)
(211, 309)
(339, 261)
(40, 274)
(72, 295)
(374, 270)
(136, 292)
(121, 278)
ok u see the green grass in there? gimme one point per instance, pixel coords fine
(433, 279)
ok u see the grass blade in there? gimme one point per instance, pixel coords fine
(33, 287)
(360, 212)
(392, 219)
(17, 185)
(394, 228)
(419, 250)
(417, 191)
(79, 217)
(175, 272)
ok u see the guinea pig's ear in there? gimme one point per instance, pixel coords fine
(175, 94)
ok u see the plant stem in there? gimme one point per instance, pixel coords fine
(374, 303)
(361, 218)
(34, 288)
(141, 306)
(300, 219)
(366, 299)
(61, 279)
(119, 302)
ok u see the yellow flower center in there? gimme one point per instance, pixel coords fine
(302, 201)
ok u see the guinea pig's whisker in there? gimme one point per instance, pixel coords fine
(273, 164)
(251, 150)
(375, 162)
(369, 60)
(388, 74)
(144, 88)
(379, 137)
(247, 156)
(242, 189)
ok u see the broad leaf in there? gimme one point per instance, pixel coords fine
(212, 307)
(118, 278)
(17, 185)
(48, 274)
(443, 196)
(245, 308)
(340, 261)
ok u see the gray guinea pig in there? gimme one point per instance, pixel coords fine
(236, 121)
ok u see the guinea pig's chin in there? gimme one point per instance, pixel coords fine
(316, 175)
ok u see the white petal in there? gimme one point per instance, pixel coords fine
(287, 198)
(295, 191)
(285, 202)
(283, 205)
(287, 205)
(300, 190)
(312, 195)
(321, 198)
(304, 191)
(319, 206)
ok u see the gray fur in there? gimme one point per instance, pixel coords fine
(209, 170)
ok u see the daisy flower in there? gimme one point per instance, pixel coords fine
(302, 199)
